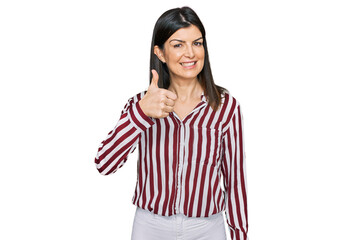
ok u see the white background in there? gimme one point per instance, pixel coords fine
(67, 69)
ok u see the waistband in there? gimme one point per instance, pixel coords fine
(146, 213)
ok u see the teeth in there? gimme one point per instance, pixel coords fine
(188, 64)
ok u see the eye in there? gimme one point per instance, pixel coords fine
(177, 45)
(198, 44)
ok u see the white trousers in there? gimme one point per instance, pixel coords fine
(149, 226)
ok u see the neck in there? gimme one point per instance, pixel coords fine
(186, 89)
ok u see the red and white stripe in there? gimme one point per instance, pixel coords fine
(195, 166)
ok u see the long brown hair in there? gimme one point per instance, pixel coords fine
(167, 24)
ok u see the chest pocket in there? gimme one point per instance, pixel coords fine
(207, 146)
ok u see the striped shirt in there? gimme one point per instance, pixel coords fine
(195, 166)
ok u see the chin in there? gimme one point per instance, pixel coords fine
(189, 76)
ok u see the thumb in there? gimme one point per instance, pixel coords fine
(154, 78)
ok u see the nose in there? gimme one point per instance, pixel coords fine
(189, 52)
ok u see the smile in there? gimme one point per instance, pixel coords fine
(188, 64)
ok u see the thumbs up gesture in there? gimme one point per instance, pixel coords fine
(157, 102)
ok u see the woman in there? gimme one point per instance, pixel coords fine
(188, 131)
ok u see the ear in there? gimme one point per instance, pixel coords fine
(159, 53)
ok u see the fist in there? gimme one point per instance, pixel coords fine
(157, 102)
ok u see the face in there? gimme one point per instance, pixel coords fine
(183, 53)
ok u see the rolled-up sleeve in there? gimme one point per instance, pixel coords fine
(234, 173)
(123, 139)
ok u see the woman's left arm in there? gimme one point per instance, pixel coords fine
(234, 172)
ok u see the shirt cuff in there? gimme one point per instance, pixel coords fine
(138, 118)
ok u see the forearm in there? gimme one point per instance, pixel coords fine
(122, 140)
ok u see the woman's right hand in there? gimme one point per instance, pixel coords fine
(157, 102)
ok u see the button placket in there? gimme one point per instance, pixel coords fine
(180, 166)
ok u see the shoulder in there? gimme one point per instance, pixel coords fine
(230, 109)
(229, 103)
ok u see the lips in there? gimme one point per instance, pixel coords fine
(188, 64)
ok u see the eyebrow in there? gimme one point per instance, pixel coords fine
(184, 41)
